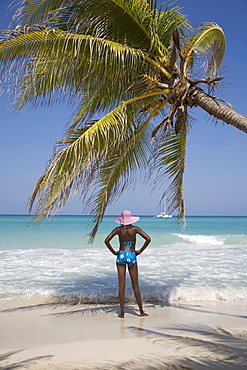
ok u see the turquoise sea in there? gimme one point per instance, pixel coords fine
(205, 262)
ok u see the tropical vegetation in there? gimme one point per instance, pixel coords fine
(132, 71)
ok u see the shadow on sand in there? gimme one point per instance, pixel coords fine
(85, 308)
(205, 348)
(6, 358)
(82, 309)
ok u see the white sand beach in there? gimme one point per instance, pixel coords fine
(208, 335)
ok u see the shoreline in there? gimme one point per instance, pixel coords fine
(191, 335)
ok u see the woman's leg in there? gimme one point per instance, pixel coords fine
(121, 269)
(133, 270)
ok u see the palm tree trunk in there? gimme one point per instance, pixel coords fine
(197, 97)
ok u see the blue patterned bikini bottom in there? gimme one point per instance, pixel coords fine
(126, 257)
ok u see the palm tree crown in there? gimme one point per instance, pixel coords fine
(121, 63)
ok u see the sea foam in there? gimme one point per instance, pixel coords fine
(202, 239)
(207, 262)
(166, 274)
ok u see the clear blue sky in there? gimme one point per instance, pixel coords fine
(216, 172)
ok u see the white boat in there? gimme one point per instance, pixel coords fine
(164, 214)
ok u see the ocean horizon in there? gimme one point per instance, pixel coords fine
(52, 262)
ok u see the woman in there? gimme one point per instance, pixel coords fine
(127, 255)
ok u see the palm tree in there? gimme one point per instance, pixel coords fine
(124, 64)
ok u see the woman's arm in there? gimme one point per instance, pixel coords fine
(144, 236)
(108, 239)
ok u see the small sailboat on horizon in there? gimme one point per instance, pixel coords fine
(163, 214)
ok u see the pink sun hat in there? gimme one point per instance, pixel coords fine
(126, 218)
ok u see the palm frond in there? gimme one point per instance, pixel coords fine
(72, 166)
(54, 42)
(121, 20)
(36, 11)
(58, 59)
(168, 21)
(137, 21)
(119, 171)
(170, 162)
(209, 43)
